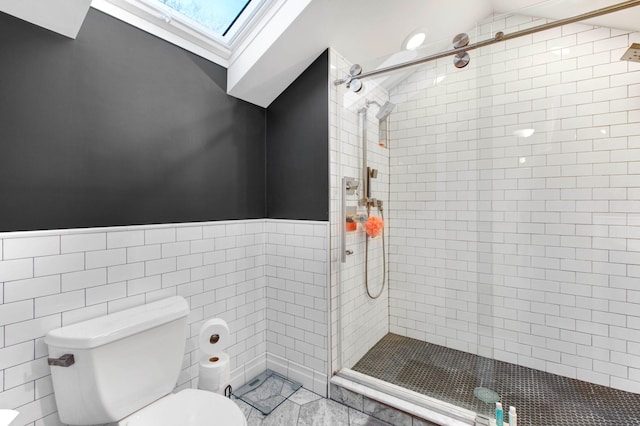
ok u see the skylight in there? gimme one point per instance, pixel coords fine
(212, 29)
(218, 16)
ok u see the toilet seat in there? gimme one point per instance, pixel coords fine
(189, 407)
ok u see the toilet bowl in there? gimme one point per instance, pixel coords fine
(189, 407)
(121, 369)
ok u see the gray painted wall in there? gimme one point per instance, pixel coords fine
(298, 147)
(119, 127)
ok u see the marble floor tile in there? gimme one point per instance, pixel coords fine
(381, 411)
(323, 412)
(285, 414)
(358, 418)
(346, 397)
(305, 408)
(244, 407)
(303, 396)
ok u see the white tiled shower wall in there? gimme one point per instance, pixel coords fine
(358, 322)
(224, 269)
(523, 248)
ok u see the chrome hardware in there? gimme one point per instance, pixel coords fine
(356, 69)
(503, 37)
(65, 360)
(461, 40)
(461, 60)
(355, 85)
(350, 186)
(350, 81)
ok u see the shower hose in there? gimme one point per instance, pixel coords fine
(366, 262)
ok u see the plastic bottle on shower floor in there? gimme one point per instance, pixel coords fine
(513, 417)
(499, 415)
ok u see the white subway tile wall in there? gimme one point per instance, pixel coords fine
(522, 248)
(358, 322)
(54, 278)
(297, 306)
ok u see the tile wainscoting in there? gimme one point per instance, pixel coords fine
(267, 278)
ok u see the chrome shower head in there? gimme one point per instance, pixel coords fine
(385, 110)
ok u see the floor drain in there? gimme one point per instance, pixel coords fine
(486, 395)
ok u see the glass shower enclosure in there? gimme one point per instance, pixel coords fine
(510, 225)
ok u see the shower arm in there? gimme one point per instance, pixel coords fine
(499, 37)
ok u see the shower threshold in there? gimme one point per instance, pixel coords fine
(358, 391)
(435, 378)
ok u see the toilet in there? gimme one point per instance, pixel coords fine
(122, 368)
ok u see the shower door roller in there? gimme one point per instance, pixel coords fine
(461, 60)
(461, 40)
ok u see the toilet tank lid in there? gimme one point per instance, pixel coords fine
(109, 328)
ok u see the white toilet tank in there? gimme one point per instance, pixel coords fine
(123, 361)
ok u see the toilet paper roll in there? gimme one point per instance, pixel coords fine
(214, 337)
(214, 373)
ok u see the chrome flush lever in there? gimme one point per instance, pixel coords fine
(65, 360)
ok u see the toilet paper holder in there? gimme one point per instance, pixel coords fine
(214, 339)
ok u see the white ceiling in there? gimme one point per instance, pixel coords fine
(369, 32)
(367, 29)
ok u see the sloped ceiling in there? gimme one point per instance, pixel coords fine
(361, 30)
(372, 32)
(61, 16)
(369, 32)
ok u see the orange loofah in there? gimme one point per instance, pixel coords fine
(374, 226)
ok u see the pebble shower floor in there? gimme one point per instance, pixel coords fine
(540, 398)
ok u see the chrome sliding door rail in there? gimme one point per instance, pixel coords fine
(499, 37)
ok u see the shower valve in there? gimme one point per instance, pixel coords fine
(351, 185)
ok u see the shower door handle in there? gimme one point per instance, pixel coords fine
(343, 220)
(349, 186)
